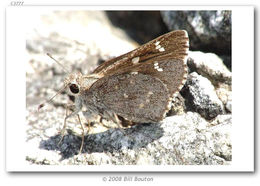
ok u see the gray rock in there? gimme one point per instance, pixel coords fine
(228, 105)
(208, 30)
(178, 106)
(179, 140)
(209, 65)
(221, 138)
(201, 97)
(225, 95)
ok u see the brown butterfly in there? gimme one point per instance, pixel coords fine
(137, 87)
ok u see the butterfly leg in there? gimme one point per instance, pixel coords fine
(118, 122)
(89, 117)
(64, 123)
(78, 106)
(114, 118)
(82, 136)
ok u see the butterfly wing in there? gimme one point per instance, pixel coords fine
(173, 45)
(139, 98)
(139, 86)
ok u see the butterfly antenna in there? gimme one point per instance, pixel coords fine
(64, 69)
(50, 100)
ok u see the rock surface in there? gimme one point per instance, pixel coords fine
(201, 97)
(210, 66)
(179, 140)
(186, 138)
(209, 31)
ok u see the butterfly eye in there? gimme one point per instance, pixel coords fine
(74, 88)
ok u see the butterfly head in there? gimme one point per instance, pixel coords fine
(73, 83)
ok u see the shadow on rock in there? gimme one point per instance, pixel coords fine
(109, 141)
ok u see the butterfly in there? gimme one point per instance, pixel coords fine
(136, 87)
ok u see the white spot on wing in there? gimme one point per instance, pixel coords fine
(158, 47)
(125, 95)
(141, 105)
(135, 60)
(157, 43)
(134, 73)
(161, 49)
(156, 66)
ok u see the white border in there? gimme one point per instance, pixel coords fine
(243, 86)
